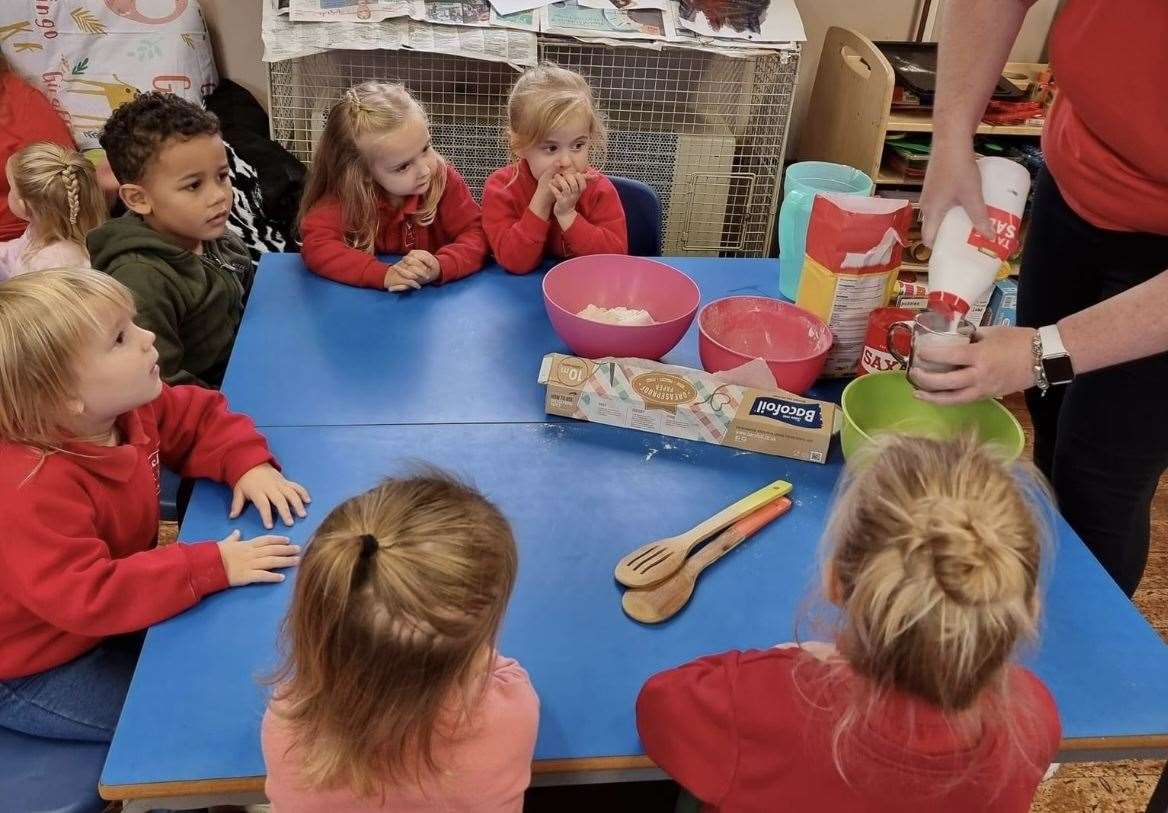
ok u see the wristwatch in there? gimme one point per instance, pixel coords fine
(1052, 363)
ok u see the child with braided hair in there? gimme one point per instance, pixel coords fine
(56, 190)
(392, 695)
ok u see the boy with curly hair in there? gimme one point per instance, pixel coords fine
(189, 275)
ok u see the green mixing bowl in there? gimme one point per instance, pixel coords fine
(884, 402)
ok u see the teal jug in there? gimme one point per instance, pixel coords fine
(800, 184)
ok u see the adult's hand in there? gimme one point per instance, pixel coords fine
(976, 37)
(1000, 361)
(952, 179)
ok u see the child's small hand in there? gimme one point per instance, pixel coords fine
(422, 266)
(252, 560)
(266, 488)
(544, 197)
(399, 278)
(567, 188)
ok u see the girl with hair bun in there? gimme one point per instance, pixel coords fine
(932, 560)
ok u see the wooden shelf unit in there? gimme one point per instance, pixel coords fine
(921, 121)
(851, 114)
(890, 177)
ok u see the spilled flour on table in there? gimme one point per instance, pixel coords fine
(666, 447)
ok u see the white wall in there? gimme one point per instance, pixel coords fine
(235, 35)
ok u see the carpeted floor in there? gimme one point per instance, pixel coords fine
(1088, 787)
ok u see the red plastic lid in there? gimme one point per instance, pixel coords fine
(947, 303)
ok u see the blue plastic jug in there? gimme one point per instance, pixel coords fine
(800, 184)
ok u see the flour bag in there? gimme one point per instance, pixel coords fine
(854, 248)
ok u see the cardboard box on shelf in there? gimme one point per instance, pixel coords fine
(1003, 307)
(687, 403)
(914, 295)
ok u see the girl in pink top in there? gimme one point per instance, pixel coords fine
(55, 189)
(391, 695)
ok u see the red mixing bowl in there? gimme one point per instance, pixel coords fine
(738, 329)
(613, 281)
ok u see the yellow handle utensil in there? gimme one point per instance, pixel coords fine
(656, 561)
(652, 605)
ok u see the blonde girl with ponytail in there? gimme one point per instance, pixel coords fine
(392, 695)
(56, 191)
(377, 186)
(932, 558)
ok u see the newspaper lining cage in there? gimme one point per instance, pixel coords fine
(707, 132)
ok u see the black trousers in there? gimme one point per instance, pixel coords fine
(1102, 440)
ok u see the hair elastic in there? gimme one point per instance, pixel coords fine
(369, 545)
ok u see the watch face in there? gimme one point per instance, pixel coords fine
(1058, 369)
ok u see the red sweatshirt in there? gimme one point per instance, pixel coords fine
(521, 240)
(738, 732)
(455, 237)
(78, 560)
(1108, 149)
(26, 117)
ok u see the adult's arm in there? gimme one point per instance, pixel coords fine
(1128, 326)
(976, 39)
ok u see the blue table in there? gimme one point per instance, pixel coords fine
(190, 725)
(311, 352)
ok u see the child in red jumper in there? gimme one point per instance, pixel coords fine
(378, 187)
(551, 201)
(933, 559)
(85, 423)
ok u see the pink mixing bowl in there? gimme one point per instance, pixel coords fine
(792, 341)
(613, 281)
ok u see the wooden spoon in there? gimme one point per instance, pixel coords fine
(657, 561)
(652, 605)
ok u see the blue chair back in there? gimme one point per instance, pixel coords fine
(642, 216)
(169, 484)
(50, 776)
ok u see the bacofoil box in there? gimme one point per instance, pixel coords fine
(688, 404)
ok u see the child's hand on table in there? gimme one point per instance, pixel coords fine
(266, 488)
(421, 266)
(398, 278)
(252, 560)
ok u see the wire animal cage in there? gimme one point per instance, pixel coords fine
(707, 132)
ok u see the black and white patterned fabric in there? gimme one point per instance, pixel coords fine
(247, 219)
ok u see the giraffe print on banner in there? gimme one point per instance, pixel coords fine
(91, 56)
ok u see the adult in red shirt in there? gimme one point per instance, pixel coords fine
(26, 117)
(1093, 294)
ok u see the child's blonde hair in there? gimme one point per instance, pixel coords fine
(46, 317)
(933, 555)
(400, 594)
(544, 98)
(60, 190)
(339, 170)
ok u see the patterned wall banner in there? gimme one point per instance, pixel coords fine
(90, 56)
